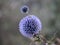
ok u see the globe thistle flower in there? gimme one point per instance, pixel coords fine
(30, 25)
(24, 9)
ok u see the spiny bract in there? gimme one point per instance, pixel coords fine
(30, 25)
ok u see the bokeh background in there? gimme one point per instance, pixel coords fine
(47, 10)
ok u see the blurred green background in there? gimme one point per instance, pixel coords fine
(47, 10)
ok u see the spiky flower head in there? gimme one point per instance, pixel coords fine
(30, 25)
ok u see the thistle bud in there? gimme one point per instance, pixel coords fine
(24, 9)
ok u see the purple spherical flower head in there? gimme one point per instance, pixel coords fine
(30, 25)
